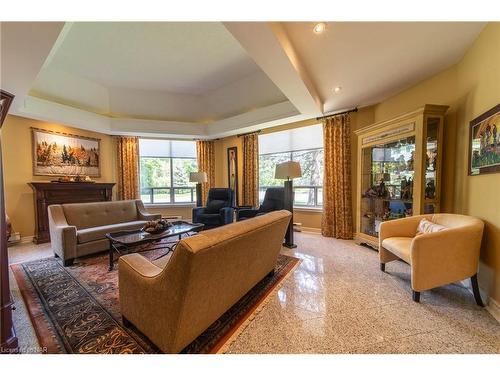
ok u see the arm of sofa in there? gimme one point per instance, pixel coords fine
(445, 257)
(137, 290)
(227, 214)
(149, 298)
(142, 214)
(62, 235)
(135, 265)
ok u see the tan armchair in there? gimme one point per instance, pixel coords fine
(437, 258)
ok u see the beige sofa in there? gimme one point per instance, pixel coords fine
(435, 258)
(172, 301)
(79, 229)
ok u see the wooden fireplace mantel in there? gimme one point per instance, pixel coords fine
(47, 193)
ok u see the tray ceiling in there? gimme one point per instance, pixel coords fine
(212, 79)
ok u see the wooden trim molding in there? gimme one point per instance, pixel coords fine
(8, 339)
(493, 307)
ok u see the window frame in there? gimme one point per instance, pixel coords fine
(172, 188)
(316, 188)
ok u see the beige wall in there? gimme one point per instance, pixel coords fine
(18, 167)
(470, 88)
(18, 170)
(184, 211)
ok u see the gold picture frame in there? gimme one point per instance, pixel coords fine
(6, 99)
(484, 143)
(62, 154)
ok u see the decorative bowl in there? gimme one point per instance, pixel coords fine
(156, 226)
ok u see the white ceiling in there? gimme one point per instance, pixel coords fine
(372, 61)
(170, 71)
(180, 57)
(214, 79)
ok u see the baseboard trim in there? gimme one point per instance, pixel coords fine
(27, 239)
(493, 307)
(311, 230)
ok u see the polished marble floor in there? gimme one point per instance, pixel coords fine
(338, 301)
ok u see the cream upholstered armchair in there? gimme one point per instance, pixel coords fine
(437, 258)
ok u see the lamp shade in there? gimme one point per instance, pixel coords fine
(197, 177)
(288, 170)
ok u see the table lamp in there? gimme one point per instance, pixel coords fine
(199, 178)
(288, 171)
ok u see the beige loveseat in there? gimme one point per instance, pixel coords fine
(437, 258)
(172, 301)
(79, 229)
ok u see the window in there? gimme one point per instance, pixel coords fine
(164, 171)
(304, 145)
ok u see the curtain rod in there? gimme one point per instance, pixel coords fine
(338, 113)
(243, 134)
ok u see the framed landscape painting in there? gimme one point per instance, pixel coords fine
(60, 154)
(484, 143)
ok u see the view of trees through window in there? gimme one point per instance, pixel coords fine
(309, 188)
(166, 180)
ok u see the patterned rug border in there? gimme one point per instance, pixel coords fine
(37, 313)
(48, 322)
(44, 327)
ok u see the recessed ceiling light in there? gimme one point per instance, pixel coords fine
(337, 89)
(319, 28)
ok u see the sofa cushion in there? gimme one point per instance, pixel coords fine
(88, 215)
(98, 233)
(399, 246)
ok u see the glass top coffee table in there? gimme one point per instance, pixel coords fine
(125, 242)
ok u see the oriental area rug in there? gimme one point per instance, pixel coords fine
(76, 309)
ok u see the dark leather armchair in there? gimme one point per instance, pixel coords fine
(274, 200)
(218, 211)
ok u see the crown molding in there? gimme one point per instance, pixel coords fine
(261, 118)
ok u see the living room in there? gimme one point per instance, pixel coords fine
(269, 187)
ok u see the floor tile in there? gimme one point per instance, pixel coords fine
(338, 301)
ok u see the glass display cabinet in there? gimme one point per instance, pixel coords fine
(398, 170)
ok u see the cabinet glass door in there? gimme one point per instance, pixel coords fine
(386, 183)
(431, 162)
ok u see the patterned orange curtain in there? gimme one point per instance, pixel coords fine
(205, 152)
(128, 168)
(337, 208)
(251, 170)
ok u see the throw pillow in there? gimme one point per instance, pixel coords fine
(427, 226)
